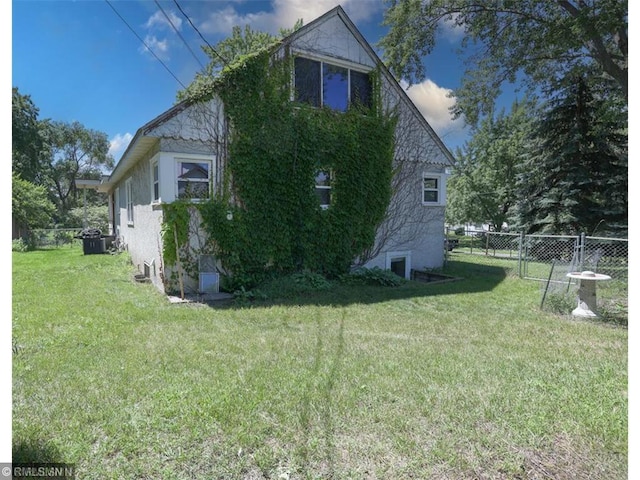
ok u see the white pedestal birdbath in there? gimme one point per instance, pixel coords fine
(587, 292)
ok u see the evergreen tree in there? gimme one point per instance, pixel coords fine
(575, 177)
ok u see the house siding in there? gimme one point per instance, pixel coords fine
(332, 38)
(410, 226)
(142, 237)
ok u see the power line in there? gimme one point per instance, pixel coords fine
(178, 33)
(145, 44)
(198, 32)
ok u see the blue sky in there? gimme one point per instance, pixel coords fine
(79, 61)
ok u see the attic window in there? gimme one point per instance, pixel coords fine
(322, 84)
(193, 179)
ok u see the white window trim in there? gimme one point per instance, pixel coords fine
(192, 159)
(332, 60)
(442, 189)
(154, 201)
(329, 187)
(406, 254)
(129, 200)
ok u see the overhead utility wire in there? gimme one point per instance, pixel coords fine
(178, 33)
(145, 44)
(224, 60)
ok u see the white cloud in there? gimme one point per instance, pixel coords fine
(434, 103)
(159, 21)
(451, 31)
(119, 144)
(157, 46)
(284, 14)
(157, 24)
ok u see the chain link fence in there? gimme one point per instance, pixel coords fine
(549, 258)
(48, 238)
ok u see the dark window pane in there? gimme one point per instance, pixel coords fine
(335, 84)
(307, 81)
(431, 183)
(156, 191)
(361, 91)
(430, 196)
(324, 195)
(399, 265)
(193, 189)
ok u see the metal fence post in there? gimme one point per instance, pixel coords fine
(520, 247)
(581, 249)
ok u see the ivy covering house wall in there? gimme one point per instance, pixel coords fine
(268, 218)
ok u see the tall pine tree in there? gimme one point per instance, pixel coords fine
(574, 178)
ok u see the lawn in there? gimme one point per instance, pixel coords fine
(459, 380)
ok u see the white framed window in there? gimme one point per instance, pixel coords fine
(155, 182)
(129, 200)
(399, 263)
(323, 188)
(117, 204)
(193, 179)
(433, 189)
(325, 84)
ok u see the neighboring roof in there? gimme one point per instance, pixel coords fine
(98, 185)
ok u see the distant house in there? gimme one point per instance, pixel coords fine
(174, 157)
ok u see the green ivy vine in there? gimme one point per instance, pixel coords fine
(275, 225)
(175, 224)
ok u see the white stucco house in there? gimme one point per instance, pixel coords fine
(173, 153)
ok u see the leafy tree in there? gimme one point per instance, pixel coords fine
(74, 151)
(26, 139)
(575, 178)
(482, 188)
(228, 51)
(543, 40)
(97, 216)
(30, 205)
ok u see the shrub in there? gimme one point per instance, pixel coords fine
(372, 276)
(19, 245)
(310, 281)
(295, 284)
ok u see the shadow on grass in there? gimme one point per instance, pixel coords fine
(318, 397)
(35, 451)
(469, 278)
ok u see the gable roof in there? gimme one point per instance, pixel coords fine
(341, 14)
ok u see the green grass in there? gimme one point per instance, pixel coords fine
(460, 380)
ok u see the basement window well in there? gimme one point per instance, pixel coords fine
(399, 263)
